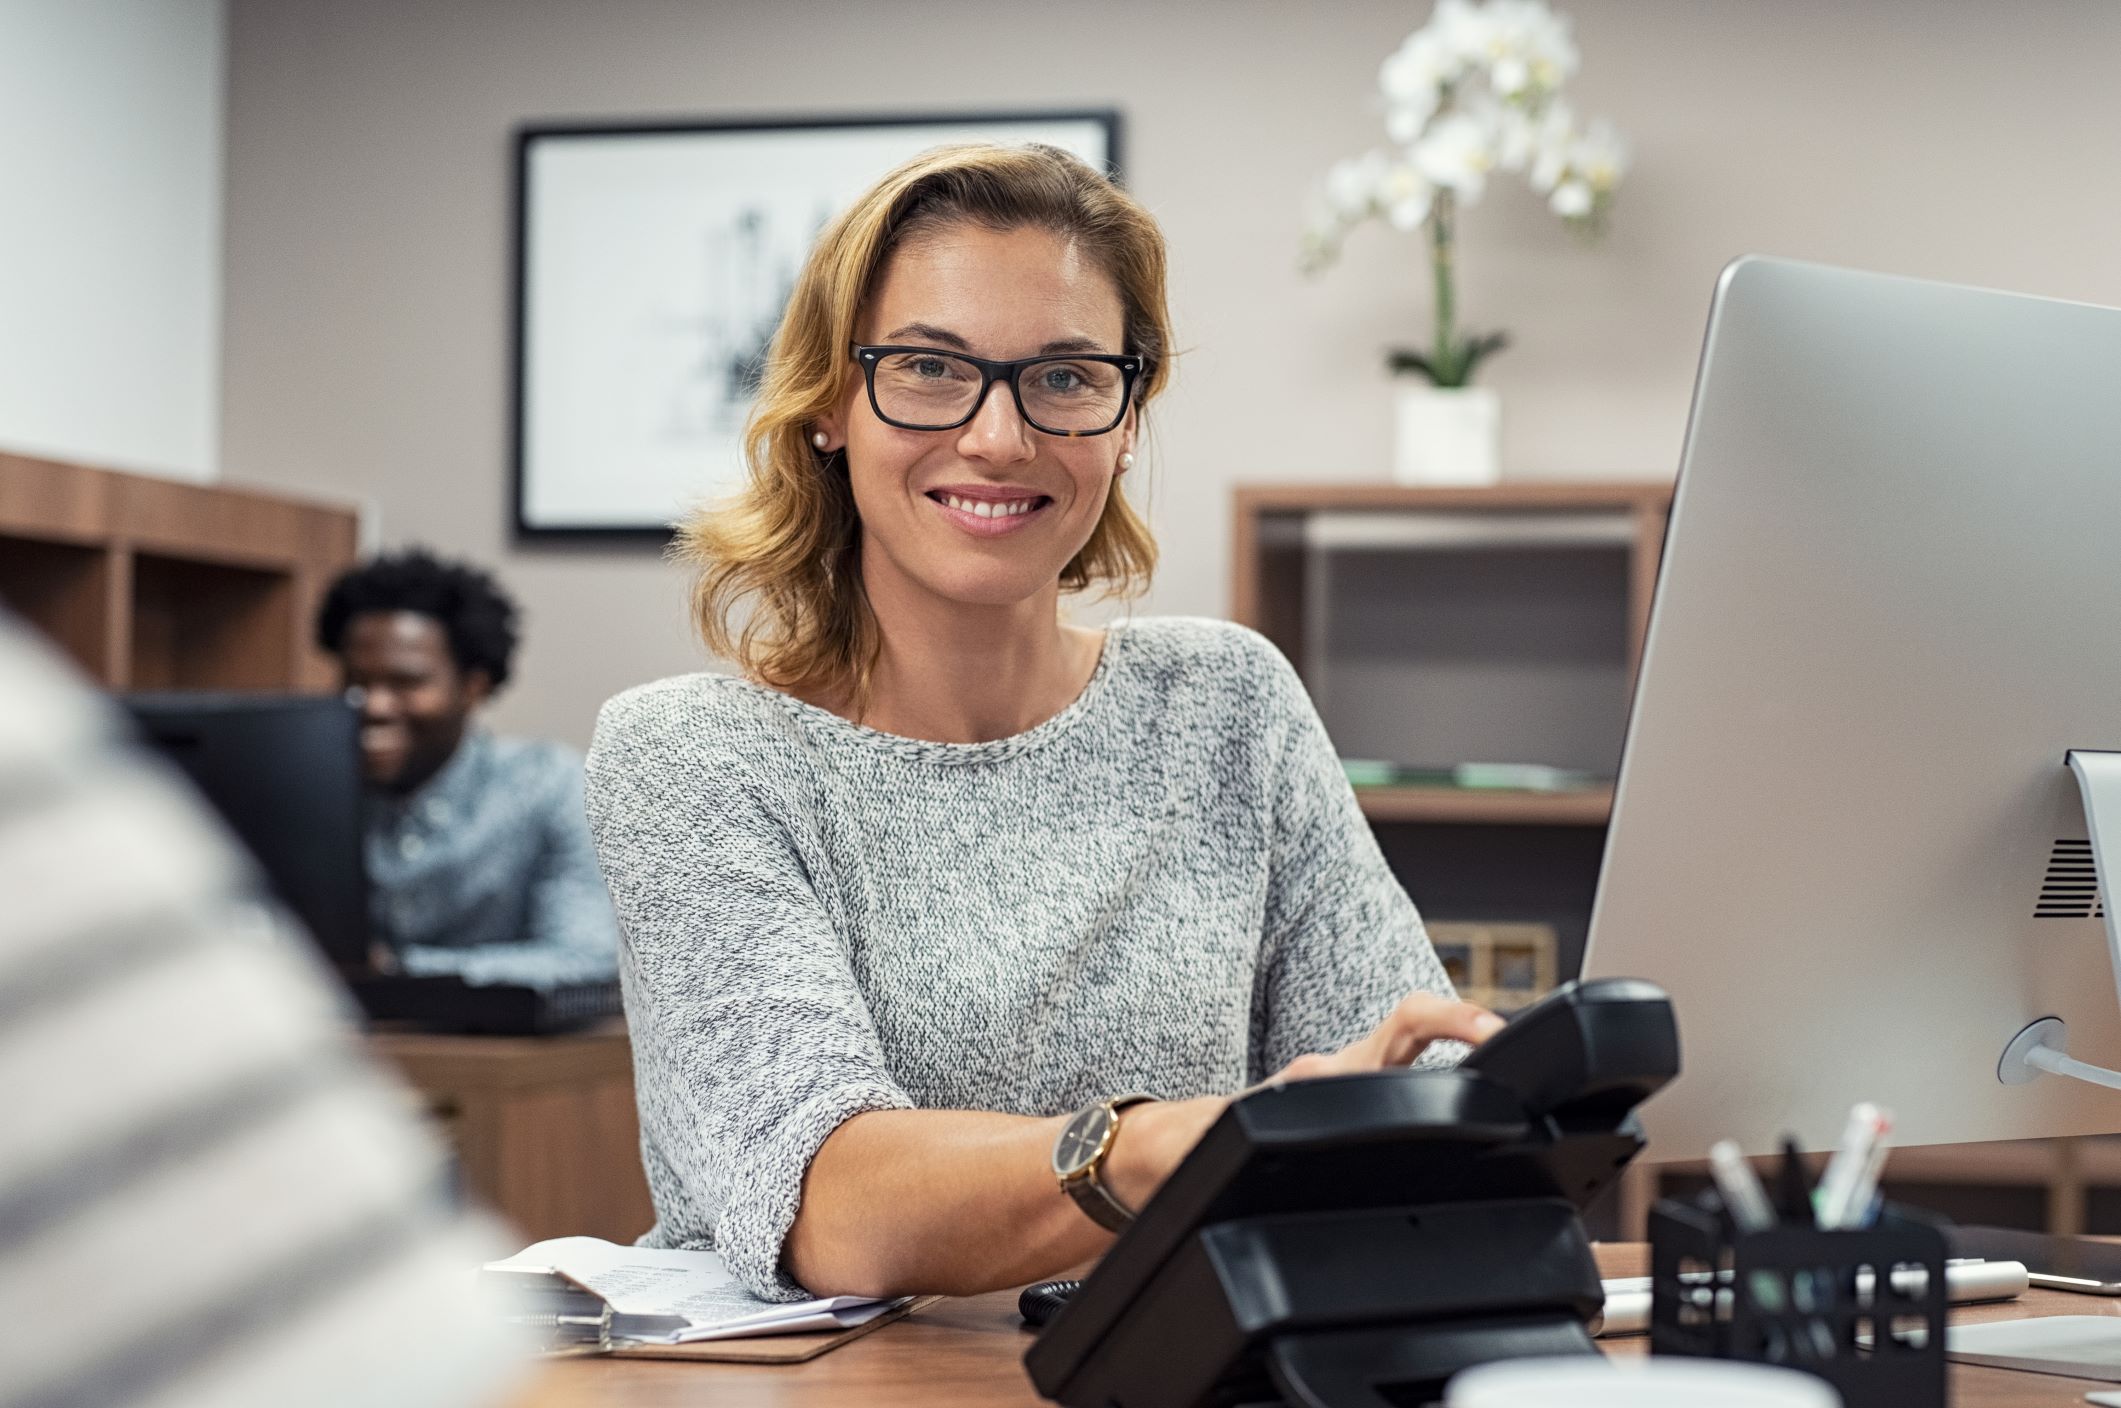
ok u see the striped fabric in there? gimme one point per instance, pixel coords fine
(207, 1195)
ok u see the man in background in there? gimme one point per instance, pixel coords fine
(479, 858)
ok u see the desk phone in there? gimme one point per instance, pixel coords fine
(1356, 1240)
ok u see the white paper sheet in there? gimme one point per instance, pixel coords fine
(694, 1285)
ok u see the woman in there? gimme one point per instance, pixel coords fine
(942, 871)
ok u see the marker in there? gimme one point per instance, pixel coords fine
(1844, 1194)
(1743, 1197)
(1966, 1278)
(1864, 1202)
(1796, 1187)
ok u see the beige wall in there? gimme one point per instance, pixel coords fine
(368, 227)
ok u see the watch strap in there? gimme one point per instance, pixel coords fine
(1088, 1188)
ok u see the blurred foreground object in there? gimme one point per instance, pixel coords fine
(207, 1196)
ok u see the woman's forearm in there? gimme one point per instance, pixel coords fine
(905, 1202)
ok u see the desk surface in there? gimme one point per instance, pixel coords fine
(969, 1354)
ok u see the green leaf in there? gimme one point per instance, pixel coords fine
(1475, 350)
(1401, 360)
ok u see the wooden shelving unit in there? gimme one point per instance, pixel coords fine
(1442, 626)
(153, 584)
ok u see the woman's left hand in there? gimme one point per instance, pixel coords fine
(1419, 1019)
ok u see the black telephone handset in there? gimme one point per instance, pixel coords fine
(1358, 1239)
(1586, 1051)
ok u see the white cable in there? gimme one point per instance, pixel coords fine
(2047, 1058)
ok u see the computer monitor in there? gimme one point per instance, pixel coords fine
(284, 771)
(1844, 836)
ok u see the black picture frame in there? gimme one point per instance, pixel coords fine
(662, 361)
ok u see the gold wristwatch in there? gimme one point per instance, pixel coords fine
(1079, 1160)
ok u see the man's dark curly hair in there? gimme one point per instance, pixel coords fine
(473, 611)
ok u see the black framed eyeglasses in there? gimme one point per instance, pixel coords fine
(927, 388)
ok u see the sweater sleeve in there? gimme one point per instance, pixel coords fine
(1343, 943)
(751, 1040)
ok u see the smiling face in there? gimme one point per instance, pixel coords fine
(415, 703)
(990, 513)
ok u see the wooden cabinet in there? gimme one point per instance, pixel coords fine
(152, 584)
(1444, 626)
(543, 1127)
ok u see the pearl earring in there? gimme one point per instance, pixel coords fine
(820, 439)
(1126, 461)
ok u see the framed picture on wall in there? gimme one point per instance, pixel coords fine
(652, 264)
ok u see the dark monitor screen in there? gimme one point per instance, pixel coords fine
(284, 772)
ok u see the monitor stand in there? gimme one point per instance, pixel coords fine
(2042, 1047)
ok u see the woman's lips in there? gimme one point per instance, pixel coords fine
(1005, 516)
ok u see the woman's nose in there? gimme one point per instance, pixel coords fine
(997, 430)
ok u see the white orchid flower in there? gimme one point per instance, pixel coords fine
(1571, 200)
(1599, 157)
(1473, 91)
(1462, 31)
(1457, 153)
(1354, 185)
(1529, 45)
(1415, 72)
(1516, 139)
(1553, 146)
(1406, 196)
(1404, 121)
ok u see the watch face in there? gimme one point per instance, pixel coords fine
(1079, 1141)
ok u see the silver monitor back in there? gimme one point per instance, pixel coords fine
(1890, 602)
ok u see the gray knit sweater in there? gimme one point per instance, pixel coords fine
(1166, 887)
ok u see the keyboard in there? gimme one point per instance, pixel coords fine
(449, 1004)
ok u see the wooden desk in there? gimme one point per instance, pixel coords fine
(969, 1354)
(544, 1127)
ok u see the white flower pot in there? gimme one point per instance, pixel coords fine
(1447, 435)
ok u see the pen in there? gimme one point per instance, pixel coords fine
(1743, 1197)
(1852, 1175)
(1796, 1186)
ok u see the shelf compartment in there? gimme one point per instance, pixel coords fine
(1513, 654)
(200, 625)
(1481, 873)
(1457, 806)
(64, 591)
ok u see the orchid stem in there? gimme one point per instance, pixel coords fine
(1444, 357)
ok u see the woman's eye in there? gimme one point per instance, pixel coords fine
(930, 367)
(1062, 379)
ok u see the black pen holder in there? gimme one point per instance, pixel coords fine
(1862, 1308)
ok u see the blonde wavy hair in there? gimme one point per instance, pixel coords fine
(788, 545)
